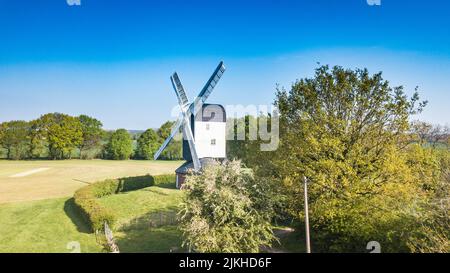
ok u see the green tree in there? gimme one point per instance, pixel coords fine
(147, 144)
(63, 134)
(36, 143)
(344, 130)
(225, 210)
(173, 151)
(241, 145)
(13, 138)
(92, 133)
(120, 145)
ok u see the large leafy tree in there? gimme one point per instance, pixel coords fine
(120, 145)
(165, 129)
(343, 130)
(173, 150)
(92, 133)
(63, 134)
(13, 138)
(36, 139)
(225, 210)
(147, 144)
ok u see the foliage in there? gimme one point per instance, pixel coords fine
(428, 134)
(224, 210)
(92, 133)
(165, 130)
(432, 233)
(242, 147)
(36, 139)
(57, 136)
(62, 132)
(147, 144)
(120, 145)
(96, 214)
(13, 138)
(345, 131)
(173, 151)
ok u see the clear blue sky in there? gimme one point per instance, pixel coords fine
(112, 59)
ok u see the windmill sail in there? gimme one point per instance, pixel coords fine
(173, 132)
(211, 83)
(188, 109)
(190, 138)
(207, 89)
(179, 89)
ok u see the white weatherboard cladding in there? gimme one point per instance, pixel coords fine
(206, 137)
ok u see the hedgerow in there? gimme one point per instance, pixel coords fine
(95, 214)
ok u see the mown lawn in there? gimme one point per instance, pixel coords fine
(146, 219)
(43, 226)
(29, 224)
(62, 178)
(145, 223)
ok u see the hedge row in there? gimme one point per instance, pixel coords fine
(95, 214)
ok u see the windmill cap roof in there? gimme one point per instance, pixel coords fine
(211, 113)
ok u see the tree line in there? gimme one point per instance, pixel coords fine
(61, 136)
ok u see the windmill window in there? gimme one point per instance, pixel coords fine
(213, 141)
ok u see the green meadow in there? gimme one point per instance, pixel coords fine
(37, 212)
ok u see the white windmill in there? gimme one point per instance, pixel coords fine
(203, 125)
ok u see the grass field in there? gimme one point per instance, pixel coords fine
(49, 225)
(146, 219)
(29, 224)
(62, 178)
(43, 226)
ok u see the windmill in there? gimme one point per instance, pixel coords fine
(203, 126)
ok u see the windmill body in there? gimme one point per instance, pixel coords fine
(209, 130)
(203, 126)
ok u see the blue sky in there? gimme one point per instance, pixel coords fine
(112, 59)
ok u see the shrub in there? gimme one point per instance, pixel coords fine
(92, 211)
(164, 179)
(225, 210)
(94, 214)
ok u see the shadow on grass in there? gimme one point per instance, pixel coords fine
(155, 191)
(140, 182)
(73, 213)
(154, 232)
(168, 185)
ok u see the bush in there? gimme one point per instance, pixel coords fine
(92, 211)
(225, 210)
(94, 214)
(164, 179)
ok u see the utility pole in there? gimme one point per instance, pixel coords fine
(308, 245)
